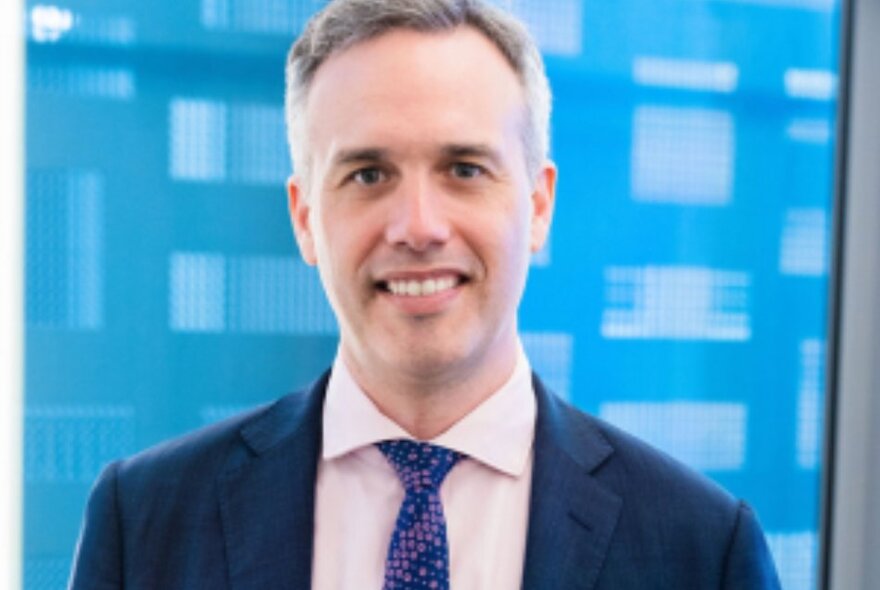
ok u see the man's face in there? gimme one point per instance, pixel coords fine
(419, 211)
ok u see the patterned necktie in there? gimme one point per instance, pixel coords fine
(418, 556)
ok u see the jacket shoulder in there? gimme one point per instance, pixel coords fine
(188, 463)
(199, 450)
(638, 469)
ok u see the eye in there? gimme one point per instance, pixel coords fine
(368, 176)
(467, 170)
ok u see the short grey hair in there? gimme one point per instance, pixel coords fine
(344, 23)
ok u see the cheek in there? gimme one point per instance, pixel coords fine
(502, 239)
(344, 243)
(519, 242)
(519, 226)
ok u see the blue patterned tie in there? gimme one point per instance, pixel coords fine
(418, 556)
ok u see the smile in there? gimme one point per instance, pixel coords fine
(421, 285)
(414, 288)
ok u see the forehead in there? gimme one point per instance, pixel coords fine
(442, 85)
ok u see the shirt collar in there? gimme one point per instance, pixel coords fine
(498, 432)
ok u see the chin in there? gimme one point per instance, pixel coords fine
(429, 363)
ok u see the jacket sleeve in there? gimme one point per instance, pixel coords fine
(97, 564)
(748, 564)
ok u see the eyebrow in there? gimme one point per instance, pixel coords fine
(359, 155)
(450, 151)
(478, 150)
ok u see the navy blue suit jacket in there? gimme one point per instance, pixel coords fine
(232, 506)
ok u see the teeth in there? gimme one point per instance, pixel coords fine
(413, 288)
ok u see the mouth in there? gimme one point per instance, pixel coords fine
(421, 284)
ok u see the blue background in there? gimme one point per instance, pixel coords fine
(682, 296)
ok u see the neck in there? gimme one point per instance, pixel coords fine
(429, 405)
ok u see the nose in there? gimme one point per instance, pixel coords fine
(418, 220)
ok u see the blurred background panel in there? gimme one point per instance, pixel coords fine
(682, 296)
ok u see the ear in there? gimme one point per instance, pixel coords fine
(543, 199)
(300, 219)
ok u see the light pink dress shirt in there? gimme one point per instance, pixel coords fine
(485, 497)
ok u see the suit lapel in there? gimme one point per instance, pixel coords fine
(267, 495)
(572, 515)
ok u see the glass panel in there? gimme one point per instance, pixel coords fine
(687, 267)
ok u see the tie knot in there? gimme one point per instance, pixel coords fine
(420, 466)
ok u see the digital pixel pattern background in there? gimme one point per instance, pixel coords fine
(682, 295)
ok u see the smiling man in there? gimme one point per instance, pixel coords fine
(420, 210)
(429, 456)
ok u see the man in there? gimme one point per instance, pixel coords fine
(429, 457)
